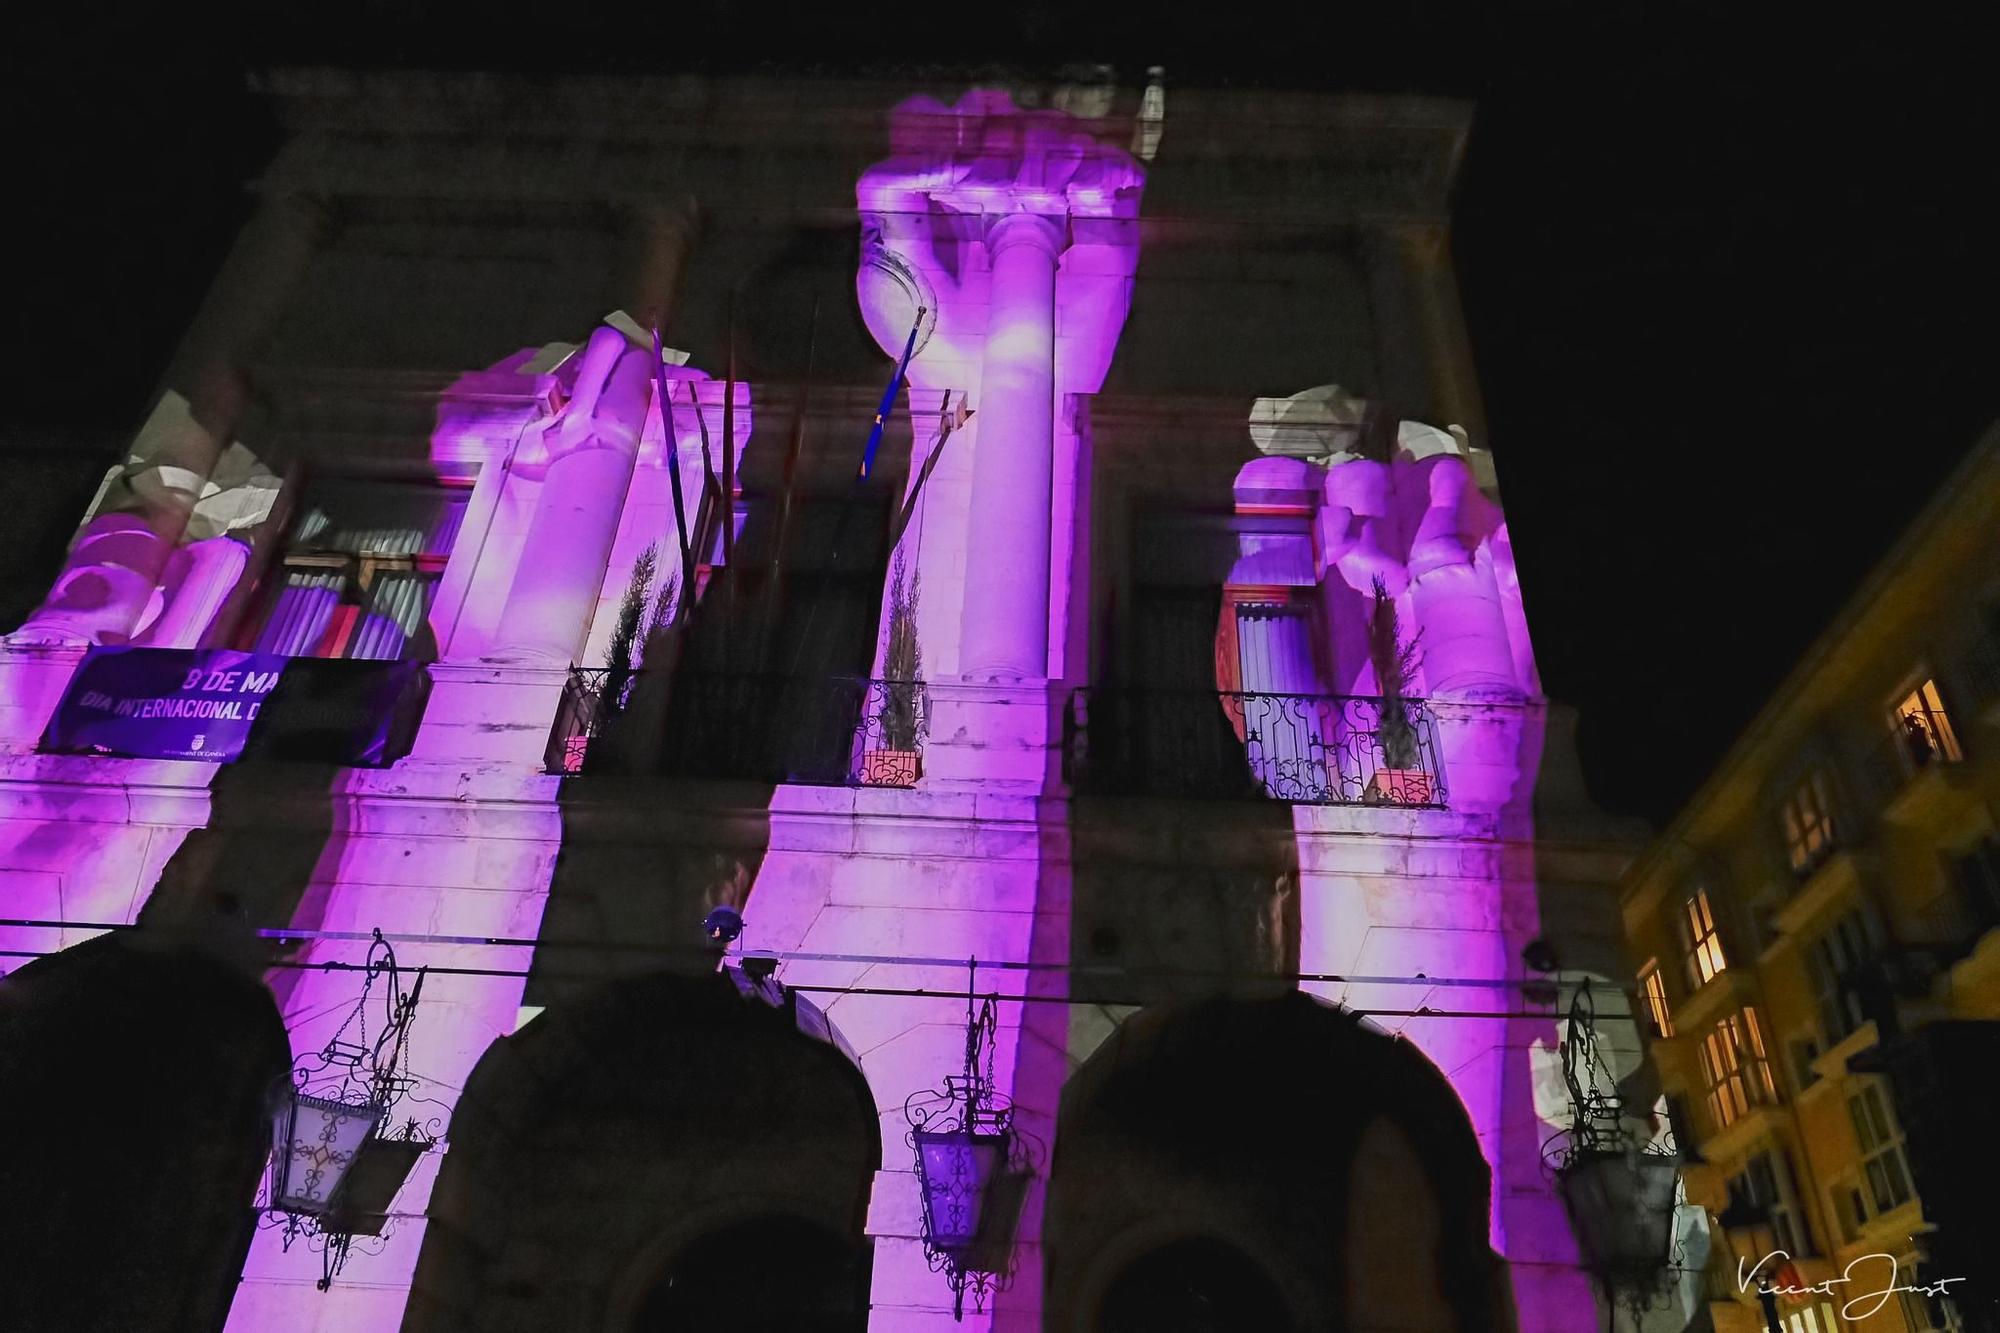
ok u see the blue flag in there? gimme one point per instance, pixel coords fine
(889, 398)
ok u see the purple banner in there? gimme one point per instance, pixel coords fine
(163, 703)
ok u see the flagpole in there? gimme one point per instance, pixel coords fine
(889, 398)
(674, 470)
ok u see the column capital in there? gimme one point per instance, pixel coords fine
(1049, 234)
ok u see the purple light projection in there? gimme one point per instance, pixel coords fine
(1421, 523)
(994, 219)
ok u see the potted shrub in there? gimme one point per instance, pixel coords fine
(894, 755)
(1400, 779)
(643, 614)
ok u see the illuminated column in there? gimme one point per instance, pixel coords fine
(593, 446)
(1004, 629)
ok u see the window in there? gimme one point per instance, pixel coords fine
(1808, 823)
(1765, 1186)
(1883, 1182)
(1699, 939)
(359, 568)
(1924, 1314)
(1834, 964)
(1654, 987)
(1813, 1319)
(1735, 1068)
(1924, 729)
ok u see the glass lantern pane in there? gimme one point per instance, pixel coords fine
(316, 1141)
(956, 1168)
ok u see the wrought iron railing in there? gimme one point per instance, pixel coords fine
(836, 731)
(592, 699)
(1309, 749)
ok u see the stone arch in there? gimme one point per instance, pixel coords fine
(133, 1132)
(1193, 1284)
(1277, 1128)
(620, 1132)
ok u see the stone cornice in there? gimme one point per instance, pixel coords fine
(1318, 159)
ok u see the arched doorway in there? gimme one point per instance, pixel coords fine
(770, 1273)
(1192, 1286)
(1330, 1170)
(133, 1132)
(664, 1153)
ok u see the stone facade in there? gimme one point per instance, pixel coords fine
(1255, 931)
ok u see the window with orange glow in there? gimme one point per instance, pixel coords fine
(1654, 987)
(1700, 940)
(1924, 728)
(1736, 1069)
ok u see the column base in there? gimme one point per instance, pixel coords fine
(990, 735)
(32, 680)
(490, 712)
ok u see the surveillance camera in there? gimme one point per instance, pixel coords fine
(722, 926)
(1540, 956)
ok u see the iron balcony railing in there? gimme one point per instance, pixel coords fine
(1303, 748)
(832, 731)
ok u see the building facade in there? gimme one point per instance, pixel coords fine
(1816, 948)
(1137, 700)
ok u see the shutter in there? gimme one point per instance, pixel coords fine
(301, 611)
(396, 605)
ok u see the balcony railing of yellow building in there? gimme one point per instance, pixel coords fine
(1308, 749)
(835, 731)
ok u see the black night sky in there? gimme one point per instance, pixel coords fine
(1731, 291)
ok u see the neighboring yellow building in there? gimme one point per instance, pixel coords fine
(1815, 939)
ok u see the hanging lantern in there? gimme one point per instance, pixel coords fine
(972, 1168)
(315, 1142)
(1621, 1195)
(335, 1166)
(957, 1169)
(1622, 1206)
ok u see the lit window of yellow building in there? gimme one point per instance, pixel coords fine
(1925, 729)
(1700, 940)
(1654, 987)
(1735, 1068)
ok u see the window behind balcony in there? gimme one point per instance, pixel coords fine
(359, 568)
(1883, 1182)
(1834, 964)
(1701, 943)
(809, 615)
(1923, 1312)
(1923, 729)
(1767, 1186)
(1735, 1068)
(1808, 822)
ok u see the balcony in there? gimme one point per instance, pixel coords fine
(829, 731)
(1298, 748)
(1919, 775)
